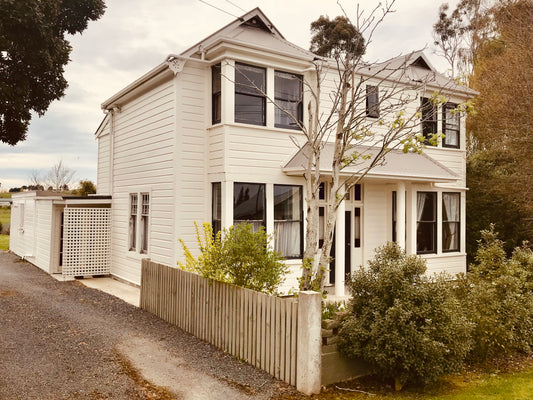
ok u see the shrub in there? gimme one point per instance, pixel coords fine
(410, 328)
(497, 297)
(237, 255)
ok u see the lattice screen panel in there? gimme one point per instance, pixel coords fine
(86, 241)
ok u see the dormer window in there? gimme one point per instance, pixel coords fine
(250, 99)
(450, 126)
(289, 102)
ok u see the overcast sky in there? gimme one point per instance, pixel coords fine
(134, 36)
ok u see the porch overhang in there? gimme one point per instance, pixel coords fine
(396, 165)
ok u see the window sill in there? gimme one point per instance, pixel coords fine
(257, 127)
(133, 255)
(443, 254)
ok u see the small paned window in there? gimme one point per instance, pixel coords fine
(288, 220)
(249, 204)
(216, 88)
(429, 119)
(133, 222)
(289, 101)
(451, 221)
(426, 231)
(357, 192)
(145, 212)
(451, 124)
(250, 101)
(372, 101)
(217, 208)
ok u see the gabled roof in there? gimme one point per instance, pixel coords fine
(396, 165)
(415, 67)
(254, 30)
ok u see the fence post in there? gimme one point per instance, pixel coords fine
(309, 359)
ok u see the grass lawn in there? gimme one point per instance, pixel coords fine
(5, 214)
(512, 385)
(4, 242)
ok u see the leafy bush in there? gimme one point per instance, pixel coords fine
(237, 255)
(409, 327)
(497, 296)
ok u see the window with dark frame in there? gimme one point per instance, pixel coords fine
(250, 102)
(451, 221)
(216, 207)
(133, 222)
(394, 200)
(426, 230)
(216, 91)
(288, 220)
(357, 227)
(288, 89)
(372, 101)
(249, 204)
(429, 119)
(451, 126)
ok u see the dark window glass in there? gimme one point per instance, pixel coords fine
(357, 192)
(288, 221)
(216, 205)
(451, 221)
(249, 204)
(250, 102)
(288, 96)
(394, 216)
(429, 118)
(357, 227)
(321, 225)
(216, 93)
(451, 123)
(372, 101)
(426, 231)
(322, 191)
(133, 222)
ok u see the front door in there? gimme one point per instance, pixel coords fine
(347, 248)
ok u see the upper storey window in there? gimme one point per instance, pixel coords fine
(216, 84)
(429, 119)
(250, 100)
(372, 101)
(450, 125)
(289, 101)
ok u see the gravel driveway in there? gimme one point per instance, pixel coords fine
(62, 340)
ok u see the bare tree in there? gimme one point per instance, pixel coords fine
(59, 177)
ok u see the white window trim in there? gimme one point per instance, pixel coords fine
(136, 252)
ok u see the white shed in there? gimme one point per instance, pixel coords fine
(65, 235)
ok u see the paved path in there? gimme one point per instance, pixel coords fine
(62, 340)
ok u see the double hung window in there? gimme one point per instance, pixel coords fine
(426, 226)
(250, 101)
(249, 204)
(133, 222)
(138, 229)
(216, 90)
(145, 212)
(450, 126)
(289, 102)
(451, 221)
(288, 221)
(372, 101)
(429, 119)
(216, 210)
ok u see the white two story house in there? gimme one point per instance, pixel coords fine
(191, 142)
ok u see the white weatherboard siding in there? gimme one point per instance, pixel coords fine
(103, 181)
(192, 191)
(43, 234)
(376, 216)
(144, 143)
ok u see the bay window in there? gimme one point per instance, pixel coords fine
(288, 220)
(288, 96)
(216, 91)
(451, 221)
(250, 101)
(249, 204)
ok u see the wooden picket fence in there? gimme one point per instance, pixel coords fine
(255, 327)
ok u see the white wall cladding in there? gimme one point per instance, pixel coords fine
(103, 182)
(143, 162)
(86, 241)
